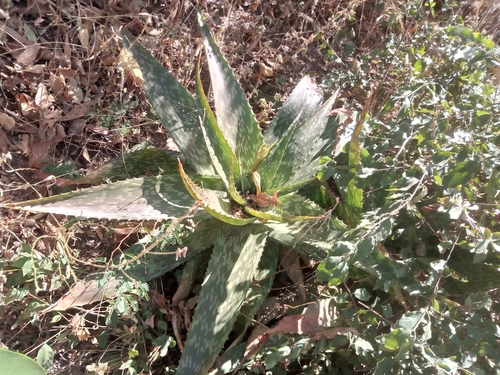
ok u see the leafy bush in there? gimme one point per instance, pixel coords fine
(400, 208)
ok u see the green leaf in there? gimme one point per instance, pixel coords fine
(259, 289)
(353, 205)
(234, 114)
(214, 202)
(295, 158)
(410, 320)
(304, 100)
(150, 198)
(135, 164)
(385, 366)
(362, 294)
(222, 156)
(45, 356)
(265, 215)
(19, 364)
(277, 355)
(395, 339)
(295, 205)
(461, 174)
(334, 270)
(176, 107)
(234, 261)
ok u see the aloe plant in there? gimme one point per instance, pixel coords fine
(240, 185)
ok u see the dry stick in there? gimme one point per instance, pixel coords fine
(146, 250)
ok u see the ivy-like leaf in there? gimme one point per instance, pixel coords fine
(461, 174)
(176, 107)
(234, 262)
(234, 114)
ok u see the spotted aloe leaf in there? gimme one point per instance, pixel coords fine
(153, 161)
(259, 289)
(223, 158)
(295, 159)
(150, 198)
(234, 115)
(176, 107)
(234, 261)
(215, 203)
(304, 100)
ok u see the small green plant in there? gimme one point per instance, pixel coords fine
(117, 114)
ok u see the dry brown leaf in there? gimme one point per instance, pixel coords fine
(265, 70)
(4, 142)
(85, 293)
(79, 111)
(316, 320)
(46, 55)
(264, 200)
(66, 58)
(78, 327)
(28, 106)
(40, 151)
(28, 56)
(290, 262)
(77, 126)
(83, 35)
(47, 129)
(7, 122)
(130, 67)
(42, 98)
(57, 84)
(74, 91)
(24, 144)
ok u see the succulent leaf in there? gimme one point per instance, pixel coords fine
(295, 159)
(134, 164)
(232, 187)
(297, 205)
(150, 198)
(259, 289)
(234, 114)
(304, 100)
(215, 203)
(221, 152)
(234, 262)
(263, 215)
(176, 107)
(223, 158)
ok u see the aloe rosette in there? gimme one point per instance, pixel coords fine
(238, 183)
